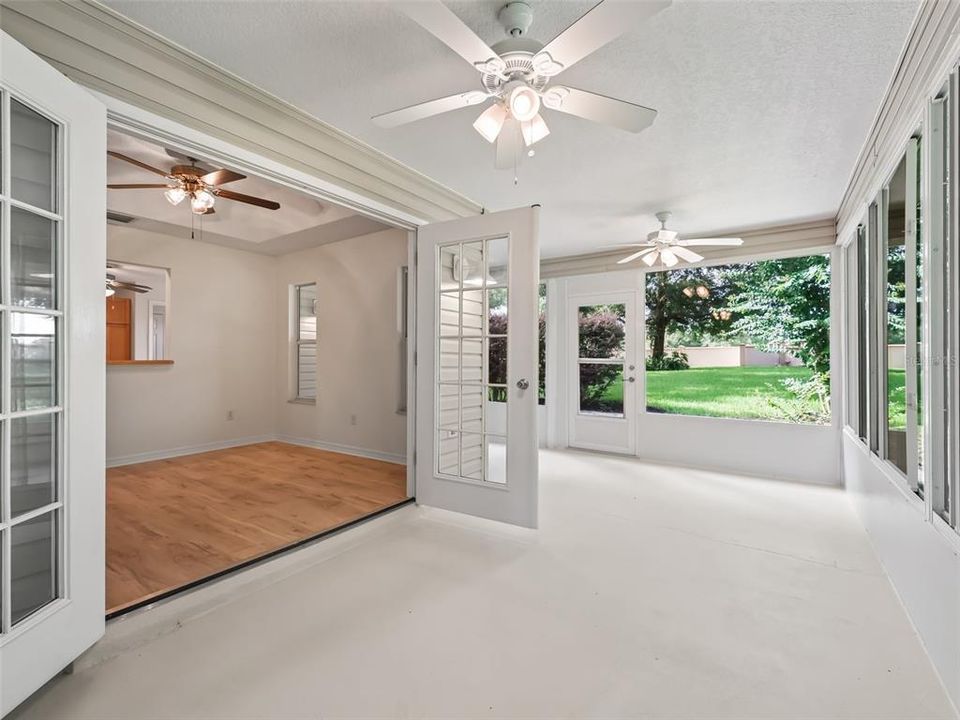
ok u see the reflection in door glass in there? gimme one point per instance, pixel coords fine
(32, 320)
(601, 333)
(471, 362)
(32, 565)
(33, 140)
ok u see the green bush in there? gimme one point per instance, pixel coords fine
(674, 361)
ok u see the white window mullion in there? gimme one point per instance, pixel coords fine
(934, 389)
(5, 493)
(912, 360)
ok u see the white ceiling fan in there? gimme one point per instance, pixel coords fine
(666, 245)
(517, 73)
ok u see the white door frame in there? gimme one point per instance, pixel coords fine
(632, 357)
(151, 343)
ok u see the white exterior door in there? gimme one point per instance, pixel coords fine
(52, 260)
(604, 370)
(477, 338)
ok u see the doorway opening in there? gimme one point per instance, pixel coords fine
(256, 368)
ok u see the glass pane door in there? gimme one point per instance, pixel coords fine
(602, 343)
(471, 360)
(31, 318)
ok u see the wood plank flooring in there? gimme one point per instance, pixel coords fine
(171, 522)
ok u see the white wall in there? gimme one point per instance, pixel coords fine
(919, 552)
(222, 319)
(359, 364)
(921, 558)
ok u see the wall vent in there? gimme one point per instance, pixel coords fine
(119, 218)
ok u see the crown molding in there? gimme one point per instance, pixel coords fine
(105, 51)
(931, 51)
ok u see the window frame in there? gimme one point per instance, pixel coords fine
(299, 342)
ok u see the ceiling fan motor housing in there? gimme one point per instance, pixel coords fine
(516, 18)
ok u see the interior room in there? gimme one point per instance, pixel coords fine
(479, 358)
(222, 446)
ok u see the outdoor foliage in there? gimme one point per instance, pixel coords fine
(498, 354)
(673, 361)
(602, 335)
(779, 306)
(673, 303)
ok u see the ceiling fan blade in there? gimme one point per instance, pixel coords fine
(222, 177)
(650, 259)
(684, 254)
(634, 256)
(711, 241)
(127, 158)
(249, 199)
(428, 109)
(136, 186)
(123, 285)
(669, 259)
(604, 22)
(509, 145)
(441, 22)
(599, 108)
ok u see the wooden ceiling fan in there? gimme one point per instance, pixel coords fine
(190, 181)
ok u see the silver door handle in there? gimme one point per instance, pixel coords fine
(523, 384)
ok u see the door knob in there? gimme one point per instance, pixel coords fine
(631, 379)
(523, 384)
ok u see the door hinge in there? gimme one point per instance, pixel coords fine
(414, 358)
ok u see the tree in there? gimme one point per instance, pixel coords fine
(687, 299)
(784, 306)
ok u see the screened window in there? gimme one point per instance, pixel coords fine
(746, 340)
(305, 302)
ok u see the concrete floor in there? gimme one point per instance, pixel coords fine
(648, 591)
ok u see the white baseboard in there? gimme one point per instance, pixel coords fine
(345, 449)
(238, 442)
(186, 450)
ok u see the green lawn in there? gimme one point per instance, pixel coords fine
(896, 400)
(736, 392)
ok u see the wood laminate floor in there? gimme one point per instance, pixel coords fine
(171, 522)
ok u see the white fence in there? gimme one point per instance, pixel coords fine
(734, 356)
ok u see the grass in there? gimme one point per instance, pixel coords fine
(896, 400)
(736, 392)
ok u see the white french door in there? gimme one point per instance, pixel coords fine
(52, 259)
(477, 338)
(604, 371)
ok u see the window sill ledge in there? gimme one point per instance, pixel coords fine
(302, 401)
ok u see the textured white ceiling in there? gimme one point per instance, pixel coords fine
(763, 106)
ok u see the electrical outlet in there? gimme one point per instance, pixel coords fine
(229, 414)
(353, 419)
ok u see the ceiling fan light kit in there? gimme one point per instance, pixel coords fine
(516, 73)
(202, 187)
(491, 122)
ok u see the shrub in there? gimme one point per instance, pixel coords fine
(674, 361)
(498, 355)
